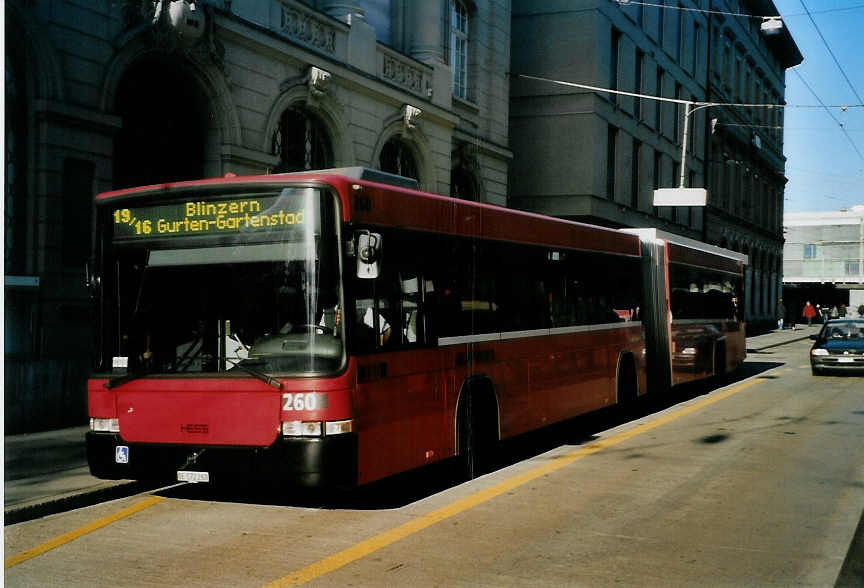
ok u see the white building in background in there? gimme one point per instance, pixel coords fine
(825, 250)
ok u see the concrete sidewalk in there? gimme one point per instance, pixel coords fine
(47, 471)
(780, 337)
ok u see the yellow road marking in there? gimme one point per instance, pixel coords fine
(80, 532)
(373, 544)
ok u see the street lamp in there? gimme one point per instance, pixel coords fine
(683, 196)
(680, 196)
(771, 25)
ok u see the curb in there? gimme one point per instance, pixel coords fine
(19, 514)
(758, 349)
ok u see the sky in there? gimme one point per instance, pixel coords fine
(824, 164)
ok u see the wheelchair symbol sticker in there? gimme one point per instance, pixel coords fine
(121, 454)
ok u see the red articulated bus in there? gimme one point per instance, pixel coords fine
(339, 326)
(694, 315)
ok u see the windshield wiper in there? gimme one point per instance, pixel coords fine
(120, 380)
(269, 380)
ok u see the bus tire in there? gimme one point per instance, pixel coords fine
(477, 430)
(719, 362)
(627, 384)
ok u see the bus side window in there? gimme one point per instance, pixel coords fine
(367, 320)
(391, 317)
(364, 324)
(563, 308)
(409, 306)
(430, 319)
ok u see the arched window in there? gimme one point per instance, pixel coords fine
(301, 142)
(397, 158)
(15, 171)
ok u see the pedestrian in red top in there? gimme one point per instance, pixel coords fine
(809, 313)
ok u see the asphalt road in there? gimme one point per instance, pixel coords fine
(758, 483)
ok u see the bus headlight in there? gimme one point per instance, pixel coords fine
(105, 425)
(316, 428)
(301, 428)
(338, 427)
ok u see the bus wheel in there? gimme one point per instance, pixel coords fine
(720, 363)
(478, 431)
(627, 387)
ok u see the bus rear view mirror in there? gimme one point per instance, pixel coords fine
(91, 280)
(368, 255)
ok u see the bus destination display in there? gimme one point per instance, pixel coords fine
(202, 218)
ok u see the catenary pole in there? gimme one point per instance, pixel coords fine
(687, 109)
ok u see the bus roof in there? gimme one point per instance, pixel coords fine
(692, 252)
(382, 202)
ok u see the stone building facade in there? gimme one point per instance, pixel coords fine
(598, 156)
(103, 94)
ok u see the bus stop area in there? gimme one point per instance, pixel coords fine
(47, 472)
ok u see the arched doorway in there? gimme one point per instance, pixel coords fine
(165, 118)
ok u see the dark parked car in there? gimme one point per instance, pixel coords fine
(839, 347)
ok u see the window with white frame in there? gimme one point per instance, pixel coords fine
(459, 48)
(809, 251)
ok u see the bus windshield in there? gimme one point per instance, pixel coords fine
(212, 285)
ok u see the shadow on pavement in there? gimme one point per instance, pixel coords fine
(403, 489)
(852, 573)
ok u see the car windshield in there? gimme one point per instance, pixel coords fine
(844, 330)
(179, 305)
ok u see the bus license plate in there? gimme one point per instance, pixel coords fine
(194, 477)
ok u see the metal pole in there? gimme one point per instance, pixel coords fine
(687, 107)
(861, 249)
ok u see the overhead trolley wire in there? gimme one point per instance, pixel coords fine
(693, 102)
(738, 14)
(831, 52)
(831, 114)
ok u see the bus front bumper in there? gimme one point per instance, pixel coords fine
(295, 461)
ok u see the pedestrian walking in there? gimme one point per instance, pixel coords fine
(809, 313)
(842, 311)
(781, 314)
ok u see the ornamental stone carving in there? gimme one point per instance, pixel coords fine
(182, 27)
(411, 116)
(402, 74)
(302, 27)
(319, 81)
